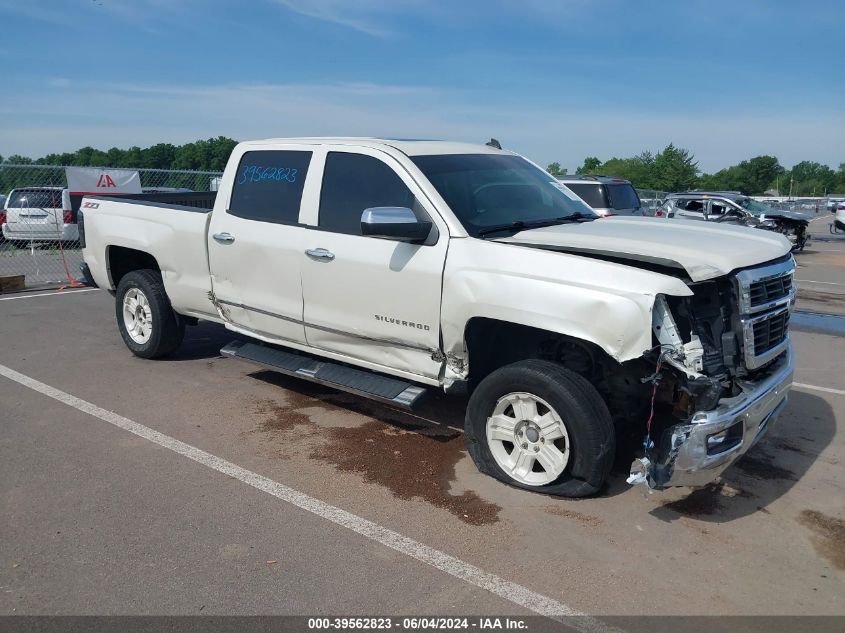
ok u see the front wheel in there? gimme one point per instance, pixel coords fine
(145, 318)
(539, 426)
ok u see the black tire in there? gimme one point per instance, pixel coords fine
(584, 414)
(168, 329)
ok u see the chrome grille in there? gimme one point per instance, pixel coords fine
(770, 332)
(765, 296)
(766, 290)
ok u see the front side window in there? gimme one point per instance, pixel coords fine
(488, 192)
(268, 186)
(353, 183)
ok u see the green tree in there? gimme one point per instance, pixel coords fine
(555, 169)
(675, 169)
(590, 166)
(809, 178)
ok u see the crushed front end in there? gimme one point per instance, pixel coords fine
(723, 368)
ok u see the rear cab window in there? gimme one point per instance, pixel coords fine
(355, 182)
(623, 196)
(268, 186)
(590, 192)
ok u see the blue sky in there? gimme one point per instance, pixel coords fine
(555, 80)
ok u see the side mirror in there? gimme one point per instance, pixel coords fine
(394, 223)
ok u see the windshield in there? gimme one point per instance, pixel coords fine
(489, 190)
(754, 207)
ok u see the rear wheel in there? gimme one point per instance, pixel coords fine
(539, 426)
(145, 318)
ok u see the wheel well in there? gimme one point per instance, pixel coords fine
(492, 344)
(123, 260)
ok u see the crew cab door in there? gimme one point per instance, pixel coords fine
(255, 247)
(375, 300)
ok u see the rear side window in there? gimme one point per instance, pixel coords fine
(623, 196)
(591, 193)
(353, 183)
(42, 198)
(268, 186)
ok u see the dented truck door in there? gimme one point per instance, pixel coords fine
(371, 298)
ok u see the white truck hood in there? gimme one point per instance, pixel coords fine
(701, 249)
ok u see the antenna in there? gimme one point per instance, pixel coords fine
(494, 144)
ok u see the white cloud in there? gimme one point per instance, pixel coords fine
(107, 115)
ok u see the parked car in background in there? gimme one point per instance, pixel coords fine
(39, 214)
(2, 216)
(605, 194)
(839, 218)
(832, 204)
(735, 208)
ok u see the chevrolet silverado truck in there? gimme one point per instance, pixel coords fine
(388, 268)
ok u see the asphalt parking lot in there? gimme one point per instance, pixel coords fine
(202, 485)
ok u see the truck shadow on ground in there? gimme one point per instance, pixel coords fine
(764, 474)
(768, 471)
(203, 341)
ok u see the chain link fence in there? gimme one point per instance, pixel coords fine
(651, 198)
(40, 237)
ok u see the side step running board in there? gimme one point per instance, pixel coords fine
(393, 391)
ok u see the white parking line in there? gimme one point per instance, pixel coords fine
(827, 283)
(517, 594)
(801, 385)
(48, 294)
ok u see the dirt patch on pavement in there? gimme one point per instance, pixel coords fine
(587, 520)
(828, 535)
(283, 417)
(412, 463)
(413, 460)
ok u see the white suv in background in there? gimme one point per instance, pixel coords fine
(39, 214)
(605, 194)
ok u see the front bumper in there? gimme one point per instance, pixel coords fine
(686, 457)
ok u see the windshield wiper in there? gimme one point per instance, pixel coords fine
(521, 225)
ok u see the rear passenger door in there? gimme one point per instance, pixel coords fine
(375, 300)
(255, 247)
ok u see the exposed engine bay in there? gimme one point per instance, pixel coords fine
(710, 347)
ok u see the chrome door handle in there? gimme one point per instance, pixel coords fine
(224, 238)
(320, 253)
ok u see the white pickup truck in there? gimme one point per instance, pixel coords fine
(387, 268)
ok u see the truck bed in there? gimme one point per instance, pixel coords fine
(202, 201)
(170, 227)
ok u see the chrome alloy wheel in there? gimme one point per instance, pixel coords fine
(528, 439)
(137, 316)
